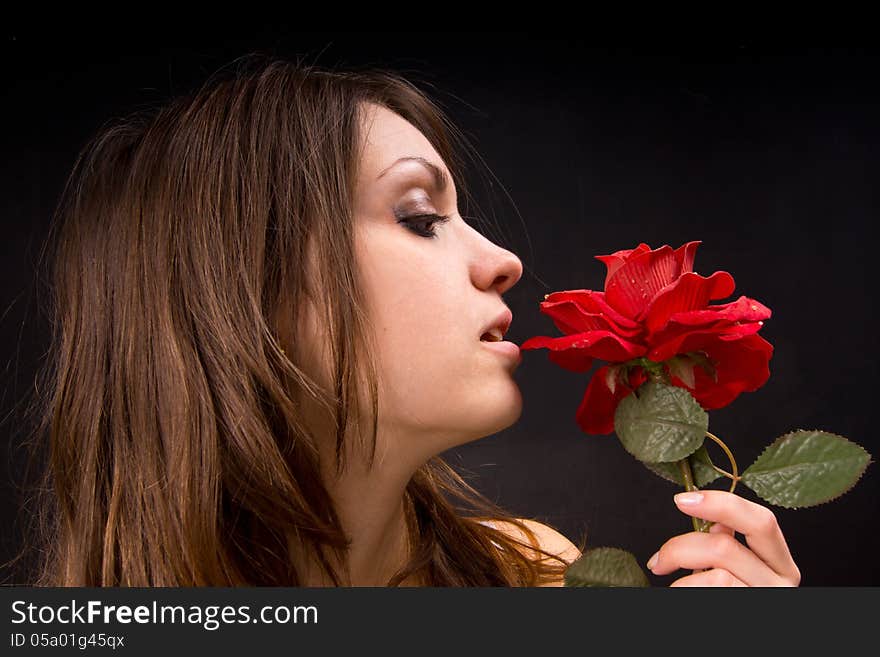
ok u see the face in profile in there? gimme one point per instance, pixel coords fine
(432, 289)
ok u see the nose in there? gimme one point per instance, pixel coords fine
(500, 270)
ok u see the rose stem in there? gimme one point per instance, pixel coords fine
(735, 476)
(685, 466)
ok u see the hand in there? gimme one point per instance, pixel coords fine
(729, 562)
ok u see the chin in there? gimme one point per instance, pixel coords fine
(501, 410)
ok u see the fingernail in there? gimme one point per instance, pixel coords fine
(653, 561)
(689, 499)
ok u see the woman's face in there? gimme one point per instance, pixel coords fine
(430, 299)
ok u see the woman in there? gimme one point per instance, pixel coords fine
(268, 326)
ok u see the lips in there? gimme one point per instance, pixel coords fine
(495, 330)
(493, 335)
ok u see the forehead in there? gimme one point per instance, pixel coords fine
(388, 137)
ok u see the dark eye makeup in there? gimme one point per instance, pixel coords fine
(422, 224)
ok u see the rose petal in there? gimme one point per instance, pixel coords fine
(630, 289)
(617, 259)
(738, 330)
(690, 292)
(595, 414)
(730, 321)
(741, 366)
(743, 309)
(573, 360)
(567, 357)
(685, 340)
(570, 317)
(604, 345)
(684, 256)
(577, 311)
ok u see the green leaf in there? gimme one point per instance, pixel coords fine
(605, 566)
(806, 468)
(701, 466)
(660, 423)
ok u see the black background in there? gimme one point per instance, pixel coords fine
(768, 156)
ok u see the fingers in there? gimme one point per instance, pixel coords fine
(755, 522)
(715, 577)
(721, 528)
(719, 551)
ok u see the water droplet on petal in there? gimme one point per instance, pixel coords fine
(761, 323)
(754, 307)
(632, 280)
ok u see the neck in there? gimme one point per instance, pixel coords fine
(371, 507)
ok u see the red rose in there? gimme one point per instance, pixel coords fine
(655, 307)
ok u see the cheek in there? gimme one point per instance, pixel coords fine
(423, 319)
(434, 374)
(411, 298)
(444, 392)
(421, 329)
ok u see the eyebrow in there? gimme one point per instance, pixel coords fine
(441, 180)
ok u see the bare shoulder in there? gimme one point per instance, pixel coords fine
(548, 539)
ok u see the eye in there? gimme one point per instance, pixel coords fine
(422, 224)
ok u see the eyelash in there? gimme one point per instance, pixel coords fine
(431, 219)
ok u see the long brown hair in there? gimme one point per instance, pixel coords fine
(170, 404)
